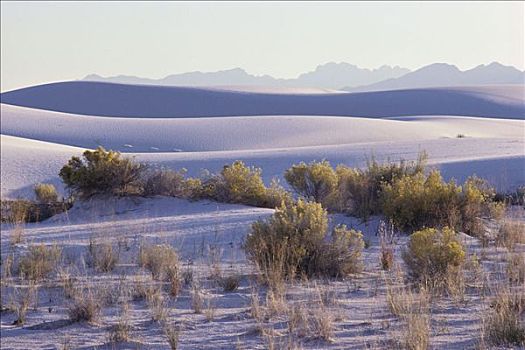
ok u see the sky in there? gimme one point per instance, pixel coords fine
(43, 42)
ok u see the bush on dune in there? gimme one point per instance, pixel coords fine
(414, 202)
(102, 172)
(314, 181)
(431, 254)
(350, 190)
(292, 242)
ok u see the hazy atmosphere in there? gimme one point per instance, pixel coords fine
(73, 39)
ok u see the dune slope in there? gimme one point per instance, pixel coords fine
(118, 100)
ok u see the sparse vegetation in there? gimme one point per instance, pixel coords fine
(39, 262)
(431, 254)
(160, 260)
(504, 324)
(102, 256)
(85, 306)
(511, 233)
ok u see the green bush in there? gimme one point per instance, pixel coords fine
(102, 172)
(431, 254)
(292, 242)
(46, 193)
(360, 191)
(236, 183)
(418, 201)
(414, 202)
(314, 181)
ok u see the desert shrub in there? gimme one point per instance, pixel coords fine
(359, 190)
(276, 195)
(46, 193)
(431, 254)
(475, 197)
(236, 183)
(313, 181)
(102, 172)
(160, 260)
(511, 233)
(292, 242)
(413, 202)
(503, 325)
(39, 262)
(165, 182)
(341, 255)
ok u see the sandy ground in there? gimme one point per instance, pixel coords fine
(358, 306)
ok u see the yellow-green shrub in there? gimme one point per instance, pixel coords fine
(431, 254)
(236, 183)
(102, 172)
(292, 242)
(313, 181)
(413, 202)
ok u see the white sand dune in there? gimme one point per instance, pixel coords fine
(118, 100)
(500, 160)
(240, 133)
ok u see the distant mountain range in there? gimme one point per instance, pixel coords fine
(442, 74)
(342, 76)
(327, 76)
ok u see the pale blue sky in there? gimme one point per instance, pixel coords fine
(53, 41)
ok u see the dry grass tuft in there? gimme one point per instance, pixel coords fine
(197, 299)
(102, 257)
(85, 306)
(511, 233)
(22, 298)
(120, 332)
(159, 260)
(504, 324)
(39, 262)
(172, 334)
(230, 283)
(157, 306)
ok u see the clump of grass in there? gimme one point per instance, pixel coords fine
(516, 268)
(157, 306)
(386, 237)
(197, 299)
(510, 234)
(120, 332)
(503, 324)
(159, 260)
(142, 289)
(85, 306)
(230, 283)
(39, 262)
(102, 256)
(46, 193)
(413, 310)
(21, 301)
(172, 334)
